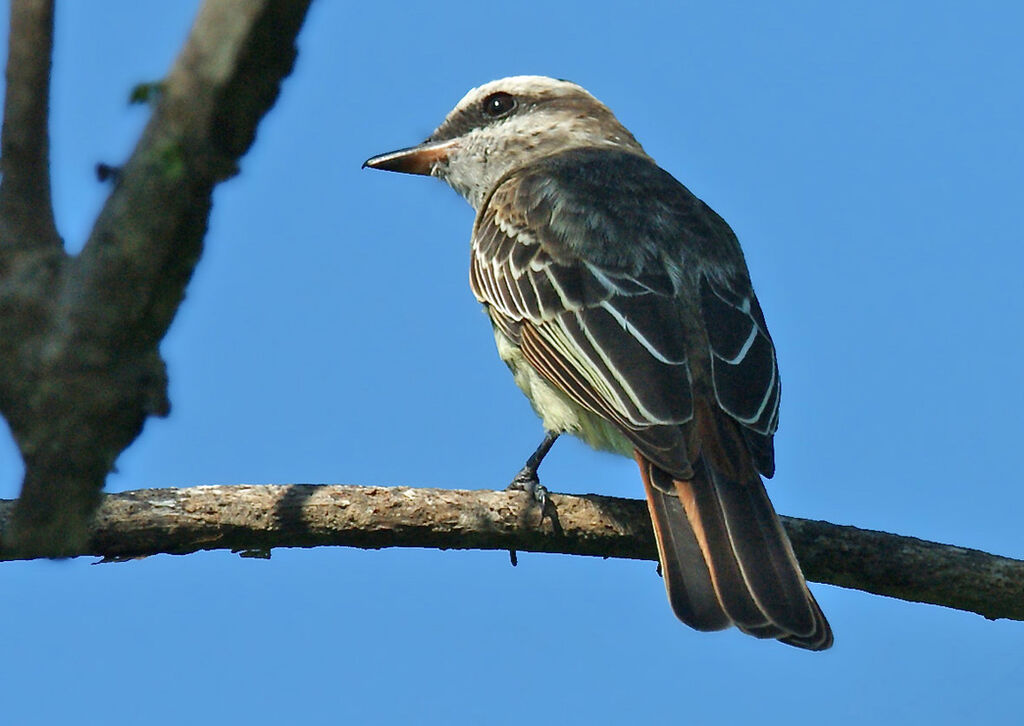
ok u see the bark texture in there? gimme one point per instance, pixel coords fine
(80, 369)
(255, 519)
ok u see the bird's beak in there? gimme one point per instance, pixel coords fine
(414, 160)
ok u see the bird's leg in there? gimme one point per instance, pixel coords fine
(528, 481)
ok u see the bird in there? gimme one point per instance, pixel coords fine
(623, 306)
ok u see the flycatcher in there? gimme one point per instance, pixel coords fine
(623, 306)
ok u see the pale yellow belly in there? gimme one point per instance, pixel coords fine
(557, 411)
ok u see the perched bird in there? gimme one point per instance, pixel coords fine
(623, 306)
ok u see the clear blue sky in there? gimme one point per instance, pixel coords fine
(870, 158)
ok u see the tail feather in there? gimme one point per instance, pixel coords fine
(820, 639)
(726, 558)
(691, 592)
(705, 516)
(769, 567)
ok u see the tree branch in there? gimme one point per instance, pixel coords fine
(26, 209)
(254, 519)
(136, 263)
(77, 392)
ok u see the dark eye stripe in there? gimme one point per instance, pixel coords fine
(498, 104)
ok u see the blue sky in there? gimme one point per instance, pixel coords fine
(869, 157)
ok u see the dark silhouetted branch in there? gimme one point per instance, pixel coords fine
(80, 369)
(26, 210)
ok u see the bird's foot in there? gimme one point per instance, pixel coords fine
(528, 481)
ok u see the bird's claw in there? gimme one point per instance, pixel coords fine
(527, 481)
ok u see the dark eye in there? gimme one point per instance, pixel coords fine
(499, 104)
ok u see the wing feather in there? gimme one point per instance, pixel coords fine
(600, 336)
(638, 307)
(606, 325)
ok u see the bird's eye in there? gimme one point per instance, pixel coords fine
(499, 104)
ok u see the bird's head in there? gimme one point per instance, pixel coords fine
(505, 125)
